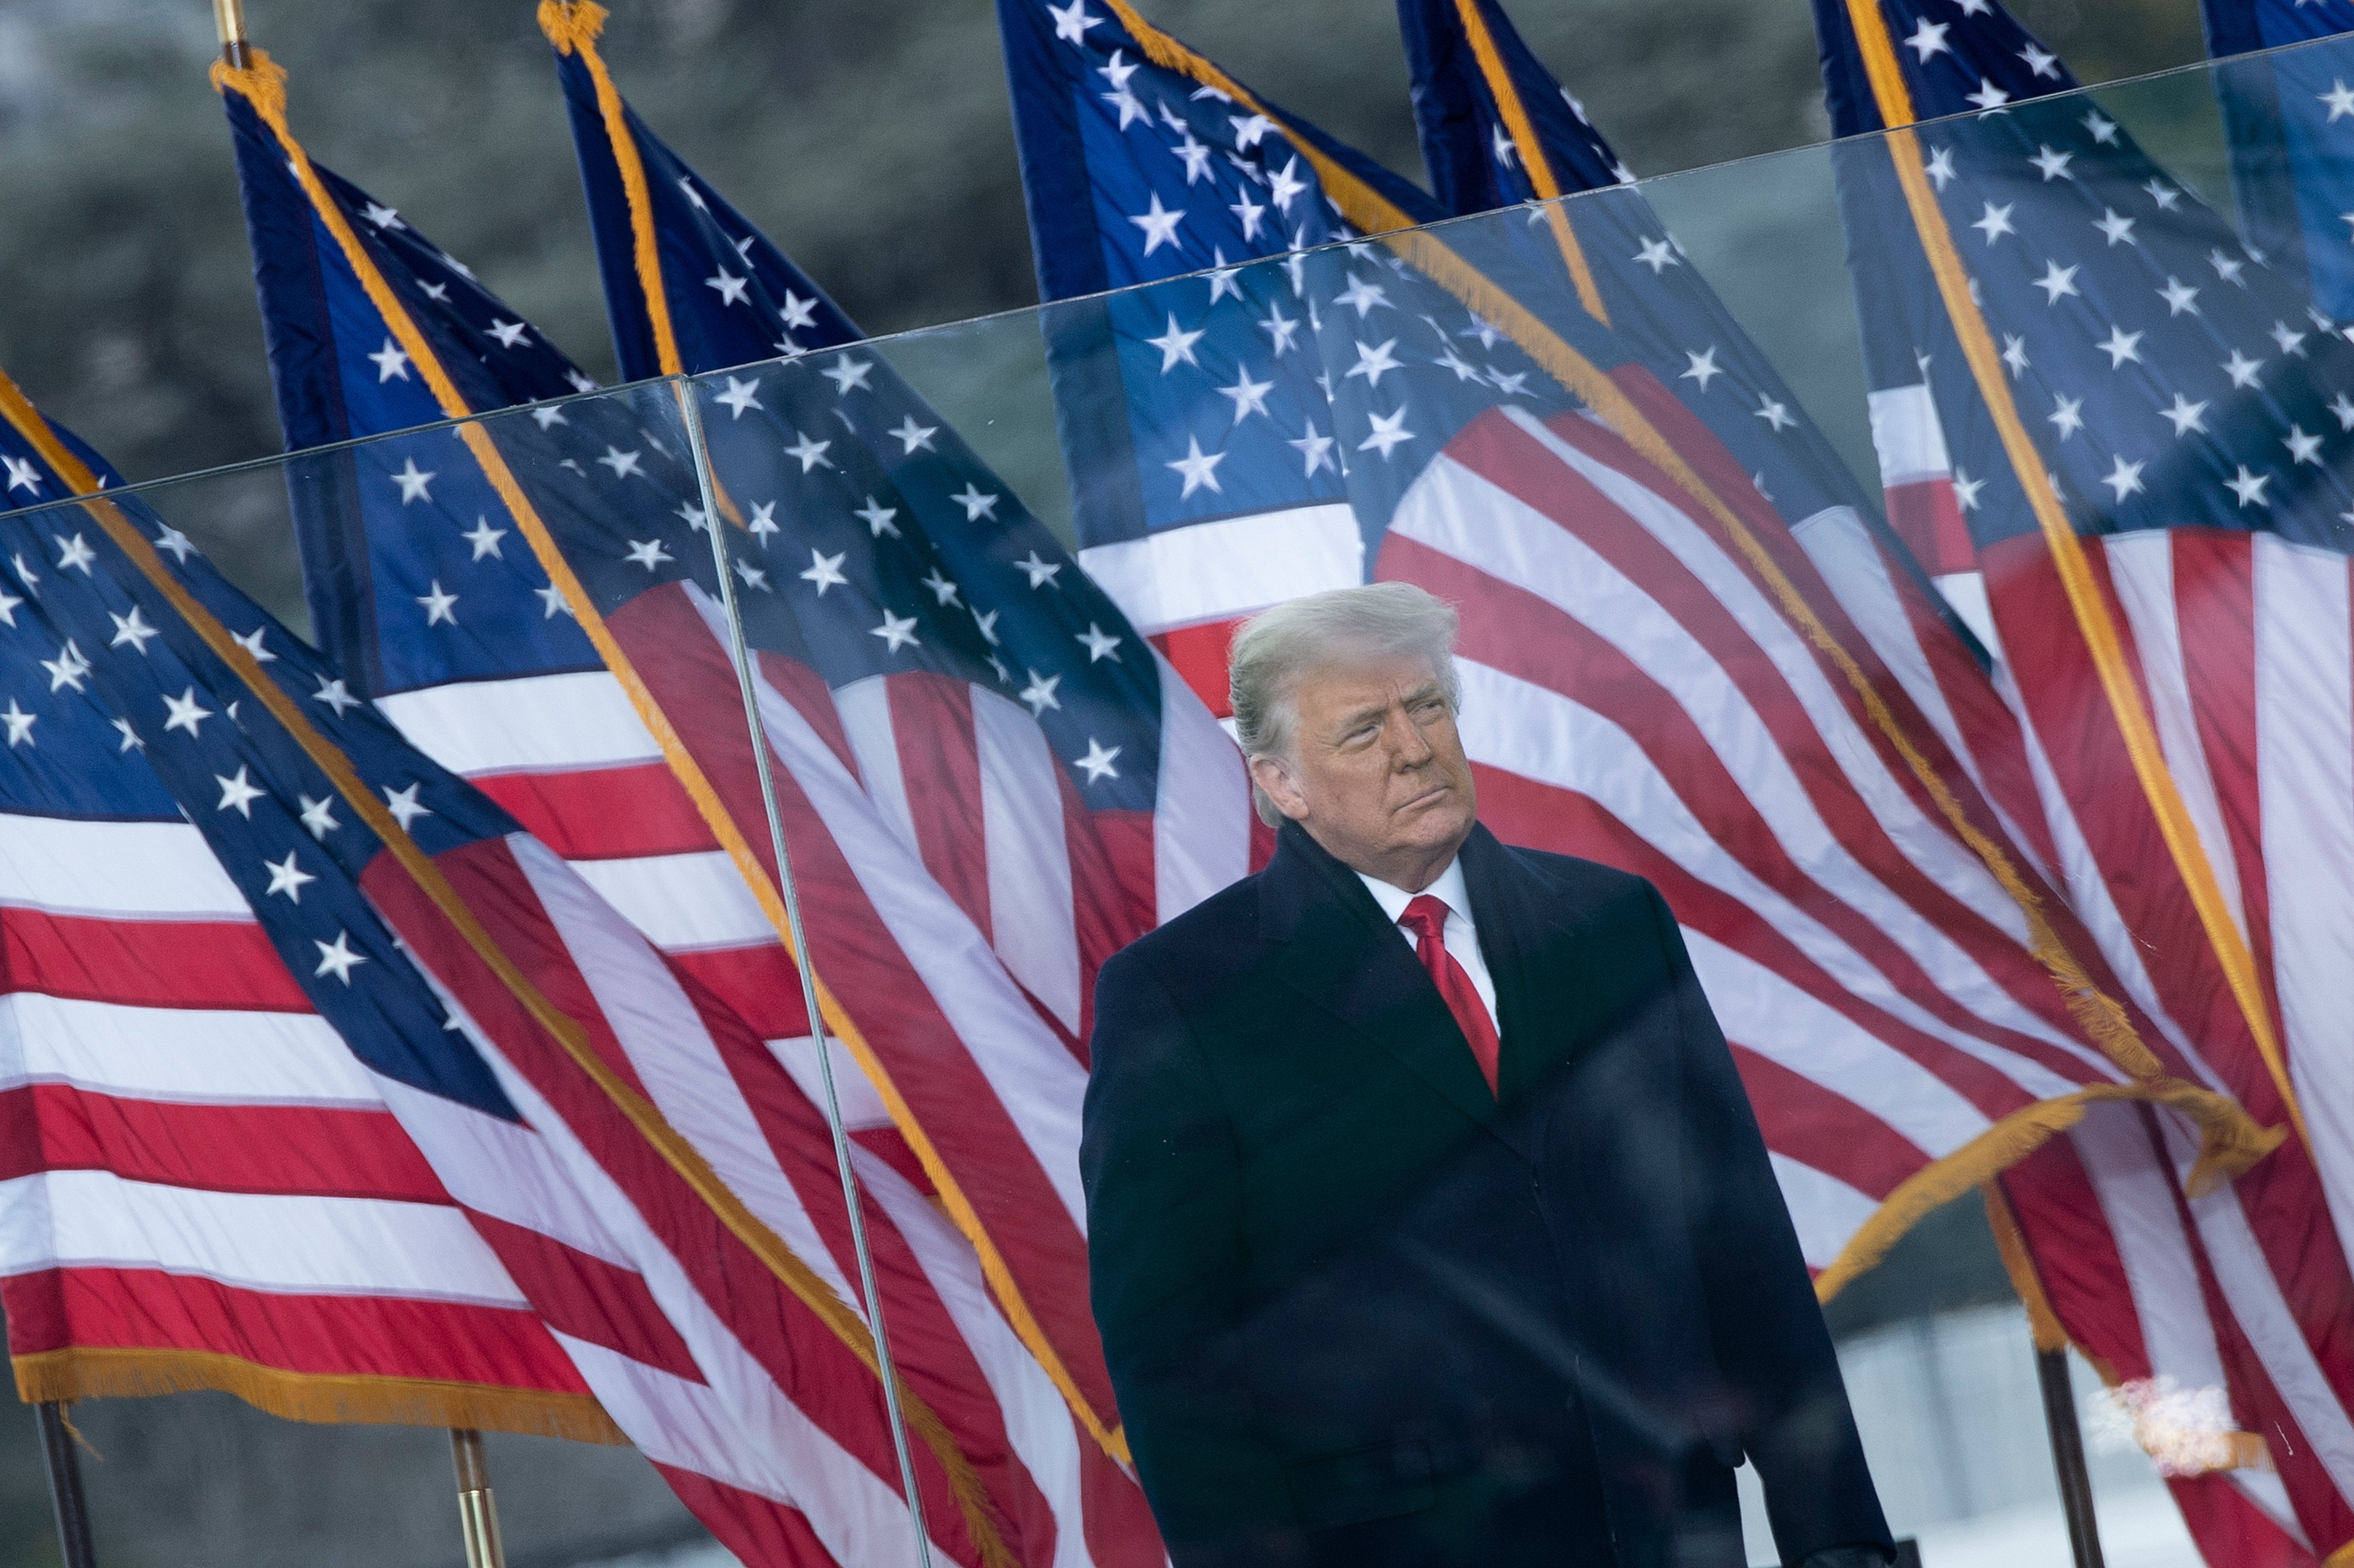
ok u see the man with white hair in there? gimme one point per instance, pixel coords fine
(1430, 1223)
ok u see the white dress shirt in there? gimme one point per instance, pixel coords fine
(1462, 938)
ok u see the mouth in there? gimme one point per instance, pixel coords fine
(1427, 797)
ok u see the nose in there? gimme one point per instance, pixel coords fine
(1411, 748)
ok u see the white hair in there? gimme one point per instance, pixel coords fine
(1274, 648)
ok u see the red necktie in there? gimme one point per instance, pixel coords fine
(1426, 919)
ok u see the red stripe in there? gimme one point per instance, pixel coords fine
(760, 985)
(353, 1336)
(1798, 1114)
(1926, 516)
(602, 813)
(306, 1150)
(206, 964)
(1199, 655)
(588, 1297)
(760, 1532)
(931, 724)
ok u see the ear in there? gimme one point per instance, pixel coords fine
(1275, 781)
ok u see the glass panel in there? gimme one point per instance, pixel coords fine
(1759, 602)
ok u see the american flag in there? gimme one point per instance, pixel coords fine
(1655, 672)
(540, 612)
(530, 1046)
(2121, 417)
(2290, 177)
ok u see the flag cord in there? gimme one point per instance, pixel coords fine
(740, 655)
(2093, 622)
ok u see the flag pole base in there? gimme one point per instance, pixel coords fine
(478, 1511)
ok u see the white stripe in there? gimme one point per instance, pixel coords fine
(682, 902)
(122, 871)
(1825, 1210)
(188, 1055)
(533, 724)
(2136, 1192)
(1030, 919)
(1214, 571)
(1036, 1080)
(1786, 1026)
(2305, 771)
(854, 1095)
(2141, 566)
(1542, 735)
(1906, 437)
(254, 1241)
(865, 709)
(670, 1046)
(1202, 819)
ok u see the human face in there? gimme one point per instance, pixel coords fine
(1377, 774)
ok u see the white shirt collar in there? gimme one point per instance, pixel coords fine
(1449, 889)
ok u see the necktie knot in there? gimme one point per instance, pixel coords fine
(1425, 916)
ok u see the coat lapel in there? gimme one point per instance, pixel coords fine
(1540, 986)
(1343, 956)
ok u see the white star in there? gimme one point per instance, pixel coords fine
(1516, 384)
(739, 395)
(252, 643)
(1989, 97)
(1198, 468)
(2053, 163)
(171, 539)
(1658, 255)
(1464, 369)
(20, 725)
(1159, 223)
(336, 694)
(1130, 109)
(1996, 221)
(1100, 643)
(131, 741)
(896, 631)
(22, 475)
(286, 877)
(24, 574)
(2344, 409)
(1072, 21)
(2302, 447)
(1941, 166)
(391, 360)
(8, 603)
(549, 415)
(1097, 761)
(1195, 156)
(648, 552)
(383, 217)
(185, 711)
(1041, 573)
(509, 334)
(763, 523)
(238, 794)
(484, 539)
(1388, 431)
(133, 628)
(623, 464)
(68, 668)
(1703, 367)
(1250, 211)
(2165, 195)
(811, 453)
(1040, 693)
(1315, 449)
(2104, 130)
(1929, 39)
(2290, 342)
(435, 292)
(1775, 415)
(2117, 227)
(2058, 280)
(404, 806)
(1249, 129)
(2042, 62)
(319, 816)
(846, 372)
(337, 960)
(693, 516)
(1965, 490)
(1372, 364)
(913, 436)
(2121, 345)
(2124, 479)
(74, 553)
(2249, 487)
(1250, 397)
(825, 570)
(2186, 416)
(414, 482)
(1501, 146)
(1176, 346)
(943, 590)
(2226, 268)
(988, 625)
(551, 600)
(1283, 186)
(2242, 369)
(1362, 295)
(976, 504)
(2067, 415)
(438, 605)
(799, 313)
(2178, 297)
(733, 291)
(753, 576)
(1278, 327)
(2340, 99)
(877, 517)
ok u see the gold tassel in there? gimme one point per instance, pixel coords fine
(571, 24)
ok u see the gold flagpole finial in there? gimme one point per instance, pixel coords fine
(228, 21)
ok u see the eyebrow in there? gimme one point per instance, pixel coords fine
(1375, 710)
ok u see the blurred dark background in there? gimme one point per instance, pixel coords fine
(873, 143)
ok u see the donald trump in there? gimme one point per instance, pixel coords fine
(1430, 1223)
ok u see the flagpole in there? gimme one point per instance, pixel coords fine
(228, 21)
(74, 1541)
(2068, 1458)
(478, 1511)
(757, 733)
